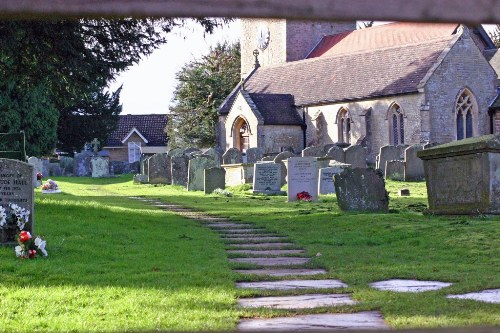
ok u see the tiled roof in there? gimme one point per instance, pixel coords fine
(277, 109)
(354, 76)
(381, 37)
(151, 126)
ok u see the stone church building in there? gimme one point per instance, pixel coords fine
(316, 83)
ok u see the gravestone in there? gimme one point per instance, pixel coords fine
(144, 164)
(232, 156)
(45, 166)
(66, 164)
(214, 178)
(100, 167)
(356, 156)
(336, 153)
(327, 148)
(81, 164)
(267, 178)
(254, 155)
(395, 170)
(325, 178)
(268, 158)
(54, 169)
(196, 172)
(179, 170)
(361, 189)
(192, 151)
(302, 176)
(159, 171)
(463, 177)
(238, 174)
(16, 187)
(216, 155)
(414, 166)
(37, 168)
(176, 152)
(279, 159)
(140, 179)
(387, 153)
(313, 152)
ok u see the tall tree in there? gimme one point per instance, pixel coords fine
(495, 35)
(65, 63)
(203, 85)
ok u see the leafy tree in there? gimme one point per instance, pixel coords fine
(50, 67)
(202, 86)
(495, 36)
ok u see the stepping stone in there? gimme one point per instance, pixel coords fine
(254, 239)
(262, 245)
(283, 261)
(281, 272)
(227, 225)
(355, 321)
(240, 231)
(265, 252)
(292, 284)
(409, 286)
(247, 236)
(489, 296)
(297, 302)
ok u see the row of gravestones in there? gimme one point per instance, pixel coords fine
(401, 162)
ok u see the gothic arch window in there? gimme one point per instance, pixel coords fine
(344, 126)
(396, 125)
(465, 115)
(241, 134)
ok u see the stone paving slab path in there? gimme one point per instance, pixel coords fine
(265, 252)
(253, 239)
(297, 302)
(488, 296)
(281, 272)
(241, 231)
(292, 284)
(224, 225)
(409, 286)
(247, 236)
(262, 245)
(274, 262)
(369, 320)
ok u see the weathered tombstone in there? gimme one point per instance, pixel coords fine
(121, 167)
(360, 189)
(313, 152)
(387, 153)
(214, 178)
(16, 187)
(45, 166)
(268, 158)
(176, 152)
(232, 156)
(36, 163)
(216, 155)
(463, 177)
(134, 167)
(325, 177)
(66, 164)
(254, 155)
(179, 166)
(191, 152)
(267, 178)
(100, 167)
(356, 156)
(395, 170)
(196, 172)
(414, 166)
(54, 169)
(326, 148)
(140, 179)
(279, 159)
(144, 164)
(81, 164)
(336, 153)
(159, 171)
(237, 174)
(302, 177)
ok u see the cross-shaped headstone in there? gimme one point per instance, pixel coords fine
(95, 145)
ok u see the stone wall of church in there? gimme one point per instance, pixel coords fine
(274, 138)
(463, 67)
(240, 109)
(380, 123)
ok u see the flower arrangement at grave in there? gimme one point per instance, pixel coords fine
(39, 179)
(304, 196)
(50, 186)
(28, 247)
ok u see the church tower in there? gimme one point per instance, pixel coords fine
(280, 40)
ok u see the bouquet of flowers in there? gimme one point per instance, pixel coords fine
(304, 196)
(39, 176)
(18, 217)
(28, 247)
(50, 185)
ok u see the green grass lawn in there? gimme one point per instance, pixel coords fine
(116, 264)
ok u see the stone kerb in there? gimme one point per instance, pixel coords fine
(213, 179)
(361, 189)
(313, 152)
(179, 170)
(356, 156)
(336, 153)
(414, 166)
(267, 178)
(196, 172)
(462, 176)
(232, 156)
(159, 169)
(16, 187)
(395, 170)
(238, 174)
(302, 176)
(279, 159)
(325, 178)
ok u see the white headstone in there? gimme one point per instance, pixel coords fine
(302, 177)
(100, 167)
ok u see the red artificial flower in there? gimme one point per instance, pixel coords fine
(24, 236)
(32, 254)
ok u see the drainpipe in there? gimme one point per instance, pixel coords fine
(304, 128)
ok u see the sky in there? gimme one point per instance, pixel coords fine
(148, 87)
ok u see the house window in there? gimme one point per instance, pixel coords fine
(134, 152)
(396, 126)
(465, 109)
(344, 126)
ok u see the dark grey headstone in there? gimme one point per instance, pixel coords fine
(16, 187)
(268, 158)
(254, 155)
(191, 151)
(361, 189)
(395, 170)
(159, 169)
(326, 148)
(279, 159)
(66, 164)
(356, 156)
(313, 152)
(180, 170)
(196, 172)
(232, 156)
(414, 166)
(81, 164)
(215, 154)
(336, 153)
(214, 178)
(387, 153)
(54, 169)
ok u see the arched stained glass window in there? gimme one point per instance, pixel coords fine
(396, 126)
(466, 113)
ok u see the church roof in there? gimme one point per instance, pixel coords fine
(277, 109)
(352, 76)
(381, 37)
(150, 126)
